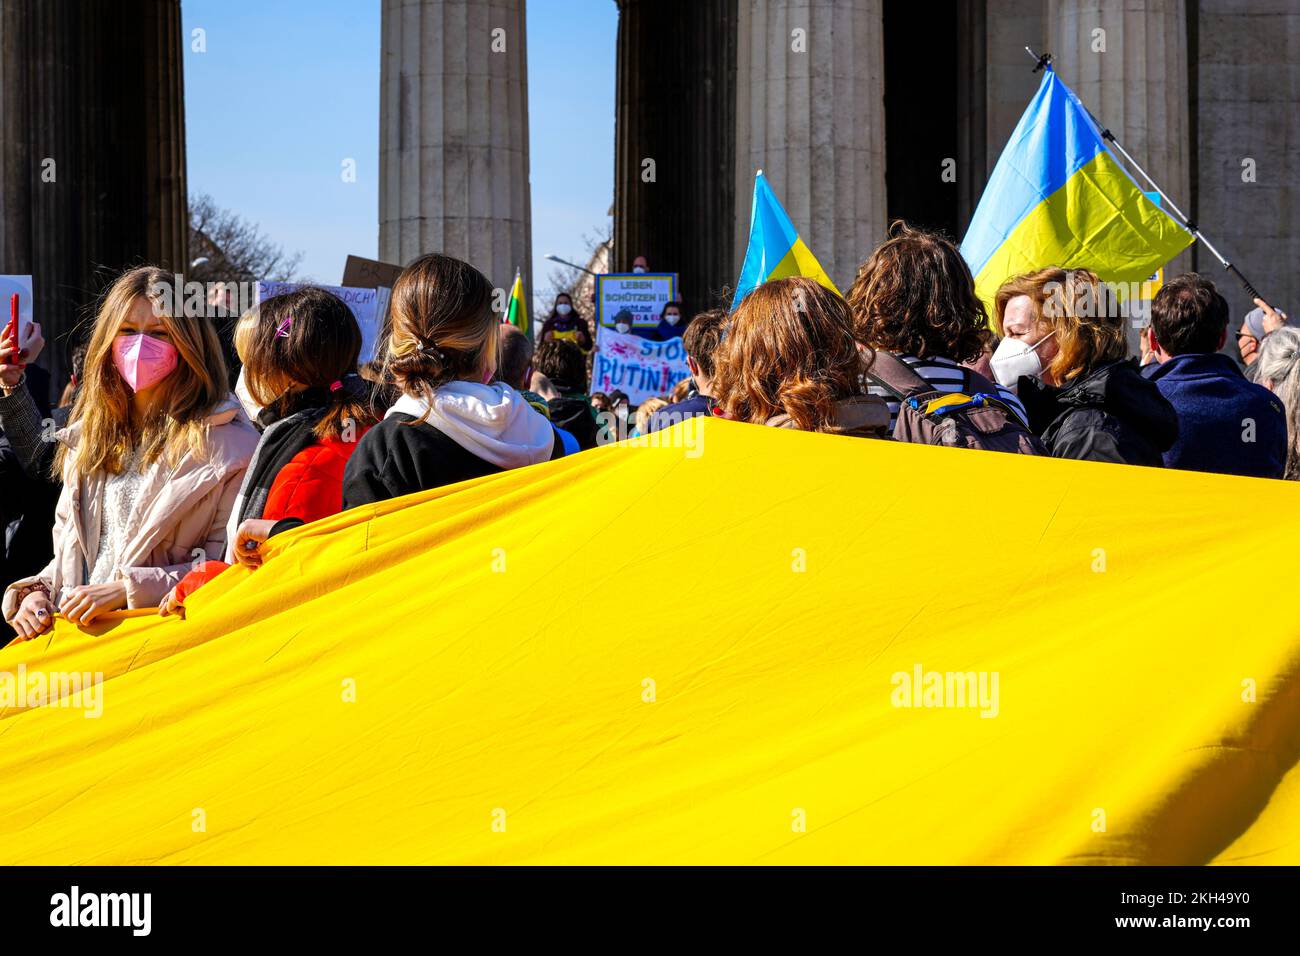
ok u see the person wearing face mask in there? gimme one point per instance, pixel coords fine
(672, 324)
(1260, 322)
(151, 462)
(299, 351)
(1064, 349)
(640, 265)
(564, 324)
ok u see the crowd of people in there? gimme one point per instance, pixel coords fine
(152, 477)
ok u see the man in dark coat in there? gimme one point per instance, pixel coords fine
(1227, 424)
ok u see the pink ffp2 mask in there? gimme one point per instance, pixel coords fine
(142, 360)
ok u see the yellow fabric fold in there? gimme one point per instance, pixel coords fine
(693, 648)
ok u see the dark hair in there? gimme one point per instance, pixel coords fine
(915, 295)
(514, 355)
(442, 324)
(672, 304)
(703, 336)
(573, 309)
(563, 363)
(1188, 315)
(307, 337)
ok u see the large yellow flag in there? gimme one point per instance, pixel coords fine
(856, 660)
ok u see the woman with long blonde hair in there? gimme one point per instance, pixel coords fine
(151, 462)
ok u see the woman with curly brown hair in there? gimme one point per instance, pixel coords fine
(915, 298)
(789, 360)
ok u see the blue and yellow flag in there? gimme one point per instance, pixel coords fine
(389, 689)
(775, 249)
(1059, 197)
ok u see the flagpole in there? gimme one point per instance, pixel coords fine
(1045, 62)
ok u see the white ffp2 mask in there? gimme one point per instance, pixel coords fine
(1014, 358)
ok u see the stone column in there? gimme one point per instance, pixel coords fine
(810, 114)
(453, 135)
(1247, 175)
(1127, 61)
(674, 167)
(92, 171)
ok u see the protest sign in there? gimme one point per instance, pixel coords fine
(362, 273)
(23, 286)
(637, 366)
(368, 305)
(642, 294)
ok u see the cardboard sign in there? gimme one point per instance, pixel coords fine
(644, 295)
(636, 366)
(362, 273)
(368, 305)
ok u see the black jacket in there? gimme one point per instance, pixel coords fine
(1109, 414)
(572, 411)
(395, 459)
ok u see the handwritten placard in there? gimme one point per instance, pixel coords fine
(637, 366)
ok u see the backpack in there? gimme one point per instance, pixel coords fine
(975, 417)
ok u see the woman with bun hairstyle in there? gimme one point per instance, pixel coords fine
(299, 385)
(449, 424)
(151, 462)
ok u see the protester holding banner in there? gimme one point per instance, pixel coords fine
(914, 297)
(1279, 372)
(151, 463)
(28, 493)
(670, 324)
(1064, 347)
(565, 324)
(299, 351)
(790, 360)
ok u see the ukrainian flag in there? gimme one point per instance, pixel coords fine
(1059, 197)
(775, 249)
(517, 310)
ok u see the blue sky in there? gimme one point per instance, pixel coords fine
(288, 90)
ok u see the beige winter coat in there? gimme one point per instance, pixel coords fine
(180, 512)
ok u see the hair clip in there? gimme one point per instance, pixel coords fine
(282, 330)
(432, 351)
(336, 386)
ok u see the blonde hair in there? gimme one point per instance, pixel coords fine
(178, 424)
(646, 411)
(1079, 309)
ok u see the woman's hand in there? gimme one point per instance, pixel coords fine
(35, 615)
(11, 365)
(250, 537)
(171, 604)
(86, 602)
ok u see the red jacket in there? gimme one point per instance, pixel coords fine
(309, 487)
